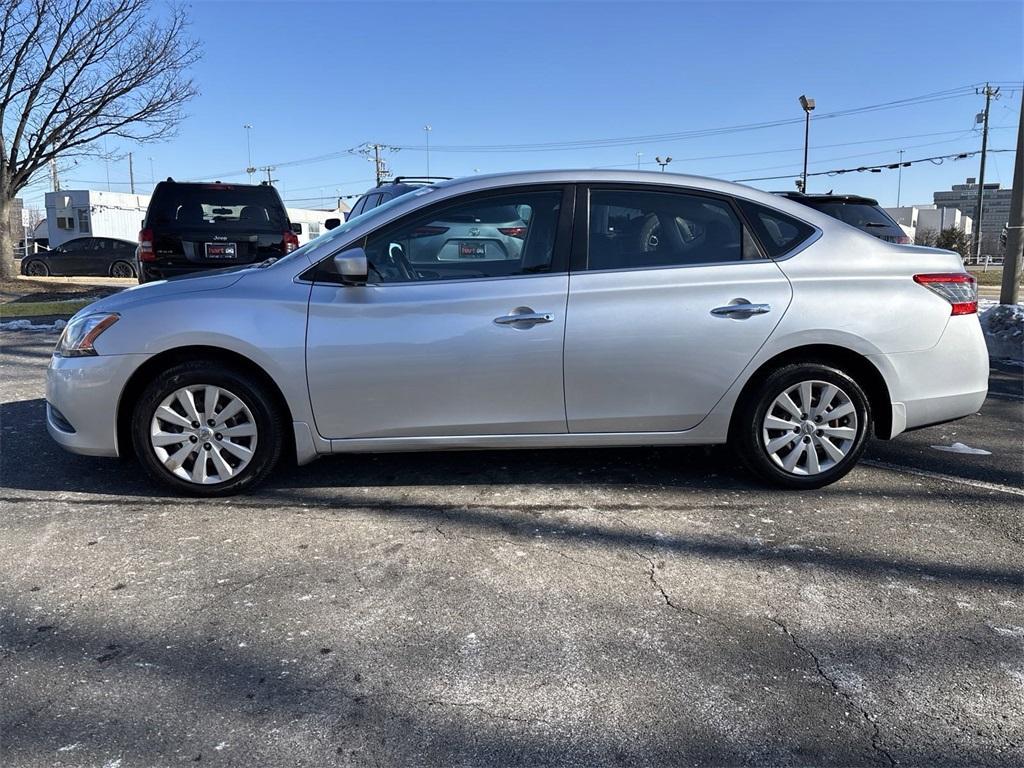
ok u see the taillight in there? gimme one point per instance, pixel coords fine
(958, 288)
(903, 240)
(428, 231)
(146, 250)
(519, 232)
(291, 241)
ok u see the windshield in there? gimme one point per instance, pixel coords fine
(340, 232)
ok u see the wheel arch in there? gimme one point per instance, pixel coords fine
(859, 367)
(159, 362)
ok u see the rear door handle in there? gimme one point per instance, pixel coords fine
(741, 310)
(524, 319)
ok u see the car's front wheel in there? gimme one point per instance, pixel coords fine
(206, 429)
(805, 426)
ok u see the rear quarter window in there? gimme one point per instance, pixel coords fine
(779, 234)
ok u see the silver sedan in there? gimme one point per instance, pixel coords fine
(633, 309)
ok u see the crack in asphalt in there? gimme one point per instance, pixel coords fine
(875, 734)
(665, 596)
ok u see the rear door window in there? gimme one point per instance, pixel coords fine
(638, 229)
(779, 234)
(217, 207)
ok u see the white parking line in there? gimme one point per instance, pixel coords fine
(999, 488)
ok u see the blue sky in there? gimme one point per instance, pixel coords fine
(319, 78)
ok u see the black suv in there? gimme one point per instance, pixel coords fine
(389, 190)
(194, 226)
(864, 213)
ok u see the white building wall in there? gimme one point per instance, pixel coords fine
(90, 213)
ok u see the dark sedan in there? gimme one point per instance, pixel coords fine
(105, 256)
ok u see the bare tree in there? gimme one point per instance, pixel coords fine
(75, 71)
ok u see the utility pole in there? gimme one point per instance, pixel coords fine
(131, 174)
(1010, 292)
(989, 93)
(638, 156)
(53, 176)
(270, 181)
(899, 180)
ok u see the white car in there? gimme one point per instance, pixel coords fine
(636, 309)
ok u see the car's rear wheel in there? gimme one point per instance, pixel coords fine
(122, 269)
(205, 429)
(37, 268)
(805, 426)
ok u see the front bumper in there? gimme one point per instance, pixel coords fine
(85, 393)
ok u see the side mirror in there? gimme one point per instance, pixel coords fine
(332, 223)
(352, 266)
(297, 229)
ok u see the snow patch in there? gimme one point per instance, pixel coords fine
(1003, 325)
(28, 325)
(961, 448)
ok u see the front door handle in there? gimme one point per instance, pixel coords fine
(741, 310)
(524, 317)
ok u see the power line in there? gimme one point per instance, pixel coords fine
(935, 160)
(953, 93)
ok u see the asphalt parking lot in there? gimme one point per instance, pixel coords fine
(584, 608)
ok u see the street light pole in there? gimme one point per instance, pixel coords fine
(808, 107)
(427, 129)
(638, 156)
(664, 162)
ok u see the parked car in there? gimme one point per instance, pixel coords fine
(389, 190)
(197, 226)
(638, 309)
(84, 256)
(864, 213)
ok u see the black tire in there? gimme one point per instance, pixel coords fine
(125, 268)
(748, 430)
(269, 421)
(37, 268)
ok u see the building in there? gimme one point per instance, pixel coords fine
(923, 222)
(84, 212)
(995, 212)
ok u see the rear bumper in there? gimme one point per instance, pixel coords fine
(82, 397)
(947, 382)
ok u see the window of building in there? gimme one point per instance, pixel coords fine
(83, 220)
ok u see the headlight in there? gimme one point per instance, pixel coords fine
(80, 334)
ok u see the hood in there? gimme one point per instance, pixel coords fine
(142, 294)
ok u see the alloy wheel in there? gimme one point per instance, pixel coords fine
(203, 434)
(37, 269)
(122, 269)
(810, 427)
